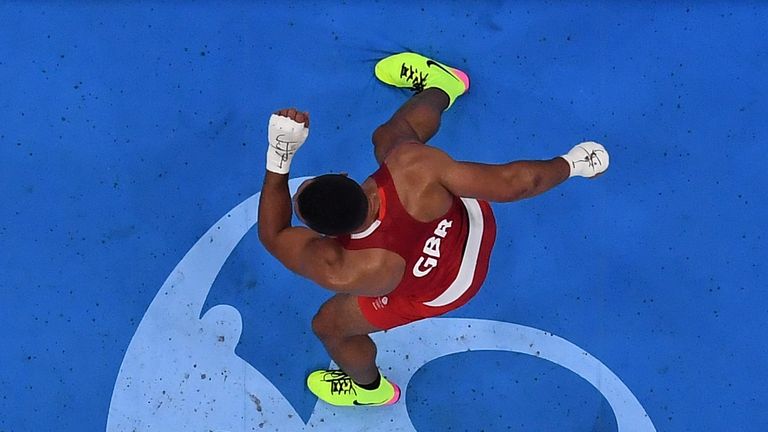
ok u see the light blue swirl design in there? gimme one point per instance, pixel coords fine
(180, 371)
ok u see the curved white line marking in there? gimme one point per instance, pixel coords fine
(180, 371)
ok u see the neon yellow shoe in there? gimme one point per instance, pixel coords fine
(416, 72)
(337, 388)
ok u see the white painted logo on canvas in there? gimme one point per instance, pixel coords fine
(180, 371)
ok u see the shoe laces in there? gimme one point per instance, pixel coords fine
(341, 383)
(417, 78)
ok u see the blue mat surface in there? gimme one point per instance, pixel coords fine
(127, 130)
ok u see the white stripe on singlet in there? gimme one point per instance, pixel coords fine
(469, 261)
(368, 231)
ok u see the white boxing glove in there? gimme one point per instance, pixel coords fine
(587, 159)
(285, 137)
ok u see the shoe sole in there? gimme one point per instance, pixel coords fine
(396, 396)
(462, 76)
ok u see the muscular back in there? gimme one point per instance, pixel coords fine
(416, 181)
(413, 170)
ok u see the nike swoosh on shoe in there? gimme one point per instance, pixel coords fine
(364, 404)
(431, 63)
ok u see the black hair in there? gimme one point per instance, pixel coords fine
(333, 204)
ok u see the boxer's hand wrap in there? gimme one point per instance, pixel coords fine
(285, 137)
(587, 159)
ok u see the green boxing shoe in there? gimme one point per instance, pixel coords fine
(337, 388)
(416, 72)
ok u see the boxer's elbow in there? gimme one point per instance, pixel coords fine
(263, 237)
(267, 237)
(520, 182)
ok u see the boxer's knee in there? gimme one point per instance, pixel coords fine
(387, 136)
(324, 323)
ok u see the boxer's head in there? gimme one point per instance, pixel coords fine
(331, 204)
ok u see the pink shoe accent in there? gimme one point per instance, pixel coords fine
(396, 397)
(463, 77)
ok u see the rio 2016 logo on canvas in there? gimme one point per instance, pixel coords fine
(173, 343)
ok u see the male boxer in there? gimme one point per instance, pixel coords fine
(412, 241)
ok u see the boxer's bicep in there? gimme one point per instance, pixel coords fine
(308, 254)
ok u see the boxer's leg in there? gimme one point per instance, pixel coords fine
(437, 87)
(343, 330)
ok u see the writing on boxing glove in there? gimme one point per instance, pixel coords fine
(285, 137)
(587, 159)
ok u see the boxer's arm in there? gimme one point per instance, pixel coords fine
(504, 183)
(299, 249)
(514, 180)
(287, 131)
(292, 246)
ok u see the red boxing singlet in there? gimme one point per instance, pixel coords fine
(446, 259)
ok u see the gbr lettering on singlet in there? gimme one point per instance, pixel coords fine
(431, 251)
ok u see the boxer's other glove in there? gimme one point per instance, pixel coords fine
(587, 159)
(285, 137)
